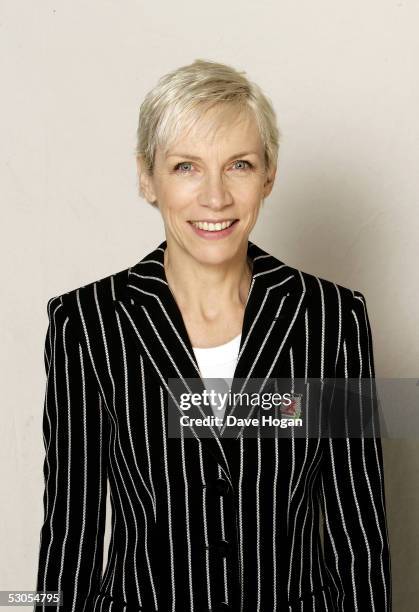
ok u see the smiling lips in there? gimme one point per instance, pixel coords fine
(213, 231)
(213, 226)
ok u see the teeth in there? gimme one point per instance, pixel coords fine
(211, 227)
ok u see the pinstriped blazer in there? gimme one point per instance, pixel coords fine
(213, 523)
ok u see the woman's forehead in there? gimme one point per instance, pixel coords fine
(220, 132)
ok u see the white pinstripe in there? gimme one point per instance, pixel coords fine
(67, 517)
(49, 512)
(169, 503)
(204, 524)
(188, 533)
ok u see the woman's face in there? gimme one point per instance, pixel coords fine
(215, 176)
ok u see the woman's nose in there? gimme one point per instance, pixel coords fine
(214, 192)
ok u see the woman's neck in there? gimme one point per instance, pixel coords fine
(206, 291)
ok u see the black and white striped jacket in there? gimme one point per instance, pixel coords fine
(205, 524)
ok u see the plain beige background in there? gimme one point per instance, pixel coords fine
(343, 79)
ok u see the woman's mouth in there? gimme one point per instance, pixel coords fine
(213, 230)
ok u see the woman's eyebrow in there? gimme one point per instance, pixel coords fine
(189, 156)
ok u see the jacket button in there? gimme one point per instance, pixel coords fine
(221, 486)
(222, 547)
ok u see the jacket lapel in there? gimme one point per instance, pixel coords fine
(273, 306)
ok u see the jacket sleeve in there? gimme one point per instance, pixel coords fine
(352, 496)
(76, 435)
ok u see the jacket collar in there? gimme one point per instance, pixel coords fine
(272, 308)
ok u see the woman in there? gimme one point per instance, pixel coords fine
(211, 522)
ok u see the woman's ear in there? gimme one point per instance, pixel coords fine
(145, 181)
(269, 181)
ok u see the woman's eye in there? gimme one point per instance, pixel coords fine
(243, 161)
(181, 166)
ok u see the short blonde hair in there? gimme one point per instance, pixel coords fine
(179, 98)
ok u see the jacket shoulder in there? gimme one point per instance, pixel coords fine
(313, 285)
(319, 287)
(103, 291)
